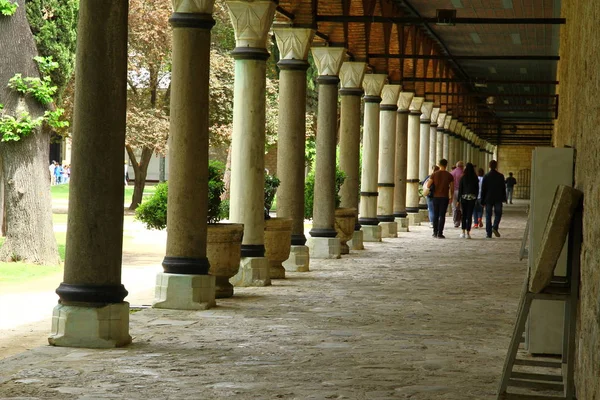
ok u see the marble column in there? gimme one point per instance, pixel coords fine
(323, 242)
(439, 147)
(412, 162)
(433, 135)
(293, 44)
(351, 79)
(424, 167)
(457, 153)
(185, 283)
(372, 84)
(387, 159)
(446, 148)
(251, 21)
(400, 214)
(91, 311)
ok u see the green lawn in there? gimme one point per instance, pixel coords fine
(61, 192)
(21, 272)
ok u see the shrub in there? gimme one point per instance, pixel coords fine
(271, 185)
(153, 210)
(309, 191)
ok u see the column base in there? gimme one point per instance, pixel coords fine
(92, 327)
(372, 233)
(424, 215)
(414, 219)
(184, 292)
(402, 224)
(276, 272)
(253, 272)
(357, 241)
(299, 259)
(324, 248)
(389, 229)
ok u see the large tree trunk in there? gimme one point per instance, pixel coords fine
(141, 171)
(29, 232)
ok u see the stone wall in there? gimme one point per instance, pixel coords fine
(577, 126)
(517, 159)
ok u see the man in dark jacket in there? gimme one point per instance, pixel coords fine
(493, 194)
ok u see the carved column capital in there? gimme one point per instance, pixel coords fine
(435, 112)
(426, 109)
(373, 84)
(441, 120)
(328, 59)
(404, 100)
(452, 126)
(294, 43)
(415, 104)
(447, 122)
(390, 94)
(458, 128)
(352, 75)
(251, 21)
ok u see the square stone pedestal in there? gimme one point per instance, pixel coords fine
(424, 215)
(324, 248)
(414, 219)
(402, 224)
(184, 292)
(389, 229)
(253, 272)
(372, 233)
(357, 242)
(299, 259)
(93, 327)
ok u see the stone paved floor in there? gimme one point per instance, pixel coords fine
(410, 318)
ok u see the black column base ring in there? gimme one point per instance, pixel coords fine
(104, 294)
(322, 233)
(186, 265)
(298, 240)
(369, 221)
(253, 250)
(412, 210)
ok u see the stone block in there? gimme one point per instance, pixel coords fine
(184, 292)
(424, 215)
(324, 248)
(92, 327)
(389, 229)
(402, 224)
(299, 259)
(357, 241)
(372, 233)
(254, 271)
(414, 219)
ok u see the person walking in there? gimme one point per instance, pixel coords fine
(441, 183)
(429, 195)
(510, 185)
(478, 211)
(457, 174)
(493, 194)
(58, 173)
(51, 168)
(467, 196)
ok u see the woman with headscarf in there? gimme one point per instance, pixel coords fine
(468, 189)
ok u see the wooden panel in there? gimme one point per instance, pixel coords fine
(565, 201)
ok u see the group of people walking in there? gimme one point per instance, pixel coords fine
(59, 174)
(470, 192)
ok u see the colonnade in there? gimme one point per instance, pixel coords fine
(403, 135)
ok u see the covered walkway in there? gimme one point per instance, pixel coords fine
(410, 318)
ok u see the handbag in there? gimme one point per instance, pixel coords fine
(428, 191)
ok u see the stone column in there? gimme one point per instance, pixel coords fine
(251, 21)
(433, 128)
(464, 144)
(400, 214)
(446, 148)
(439, 147)
(185, 283)
(372, 84)
(412, 162)
(293, 44)
(458, 143)
(91, 311)
(424, 167)
(323, 242)
(351, 78)
(387, 160)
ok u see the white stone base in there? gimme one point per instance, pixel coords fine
(372, 233)
(299, 259)
(184, 292)
(254, 271)
(93, 327)
(414, 219)
(424, 215)
(402, 224)
(389, 229)
(324, 248)
(357, 242)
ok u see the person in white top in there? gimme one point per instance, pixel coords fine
(51, 168)
(478, 211)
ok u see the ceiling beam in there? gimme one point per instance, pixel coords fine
(482, 94)
(482, 81)
(465, 57)
(433, 20)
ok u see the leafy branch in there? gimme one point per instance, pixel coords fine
(8, 8)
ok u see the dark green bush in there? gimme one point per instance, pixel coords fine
(309, 191)
(153, 210)
(271, 185)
